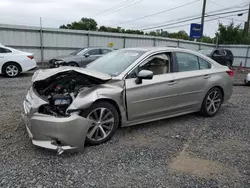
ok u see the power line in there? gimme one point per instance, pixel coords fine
(225, 17)
(182, 21)
(196, 15)
(143, 17)
(122, 8)
(114, 7)
(241, 5)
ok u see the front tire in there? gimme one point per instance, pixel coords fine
(11, 70)
(106, 121)
(212, 102)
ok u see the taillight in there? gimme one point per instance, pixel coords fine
(230, 73)
(30, 56)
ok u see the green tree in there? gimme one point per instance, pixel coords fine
(179, 35)
(131, 31)
(207, 39)
(83, 24)
(231, 34)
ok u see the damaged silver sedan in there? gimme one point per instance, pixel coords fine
(67, 107)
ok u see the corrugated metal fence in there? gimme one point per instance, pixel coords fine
(47, 43)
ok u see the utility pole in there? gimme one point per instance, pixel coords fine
(41, 41)
(203, 15)
(246, 27)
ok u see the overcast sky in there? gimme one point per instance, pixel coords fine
(57, 12)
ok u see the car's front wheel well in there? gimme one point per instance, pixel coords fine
(114, 104)
(73, 63)
(13, 62)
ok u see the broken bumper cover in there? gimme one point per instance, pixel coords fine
(57, 132)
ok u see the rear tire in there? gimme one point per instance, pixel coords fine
(212, 102)
(106, 121)
(11, 70)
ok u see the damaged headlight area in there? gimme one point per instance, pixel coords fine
(61, 90)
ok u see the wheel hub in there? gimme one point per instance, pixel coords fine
(12, 70)
(213, 102)
(103, 122)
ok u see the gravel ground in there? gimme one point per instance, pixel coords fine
(188, 151)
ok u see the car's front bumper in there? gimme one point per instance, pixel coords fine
(52, 132)
(56, 63)
(57, 132)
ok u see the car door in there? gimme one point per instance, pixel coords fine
(105, 51)
(91, 55)
(191, 81)
(4, 55)
(153, 97)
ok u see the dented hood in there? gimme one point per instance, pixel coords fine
(46, 73)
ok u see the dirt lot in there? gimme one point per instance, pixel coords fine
(188, 151)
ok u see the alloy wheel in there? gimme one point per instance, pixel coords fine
(12, 70)
(213, 102)
(103, 123)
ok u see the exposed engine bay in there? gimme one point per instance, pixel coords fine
(61, 89)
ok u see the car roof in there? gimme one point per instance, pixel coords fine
(156, 49)
(98, 47)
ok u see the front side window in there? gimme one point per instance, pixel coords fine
(114, 63)
(187, 62)
(219, 52)
(105, 51)
(4, 50)
(158, 64)
(94, 52)
(79, 51)
(222, 52)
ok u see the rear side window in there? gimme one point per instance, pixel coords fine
(4, 50)
(204, 64)
(105, 51)
(94, 52)
(220, 52)
(187, 62)
(229, 52)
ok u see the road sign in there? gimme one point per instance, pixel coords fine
(111, 44)
(196, 31)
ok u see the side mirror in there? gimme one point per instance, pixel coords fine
(144, 75)
(86, 55)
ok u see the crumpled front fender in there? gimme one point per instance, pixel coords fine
(112, 91)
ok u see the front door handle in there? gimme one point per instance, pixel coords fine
(172, 82)
(207, 76)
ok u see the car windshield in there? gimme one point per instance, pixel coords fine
(205, 52)
(115, 62)
(79, 51)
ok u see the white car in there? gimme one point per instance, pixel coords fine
(13, 62)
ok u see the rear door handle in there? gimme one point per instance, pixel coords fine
(207, 76)
(172, 82)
